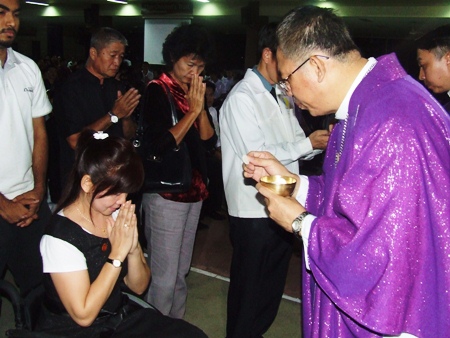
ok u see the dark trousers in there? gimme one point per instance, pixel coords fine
(19, 250)
(261, 255)
(215, 185)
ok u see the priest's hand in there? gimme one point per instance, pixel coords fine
(258, 164)
(282, 210)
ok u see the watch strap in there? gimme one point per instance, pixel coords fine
(114, 118)
(300, 218)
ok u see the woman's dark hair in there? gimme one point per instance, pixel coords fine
(112, 164)
(185, 40)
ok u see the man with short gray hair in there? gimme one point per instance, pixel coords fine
(92, 98)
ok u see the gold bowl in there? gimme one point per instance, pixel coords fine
(281, 185)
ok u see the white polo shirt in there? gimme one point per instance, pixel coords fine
(22, 98)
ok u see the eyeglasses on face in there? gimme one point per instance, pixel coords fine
(283, 83)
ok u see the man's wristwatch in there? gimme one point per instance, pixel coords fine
(115, 262)
(297, 223)
(114, 118)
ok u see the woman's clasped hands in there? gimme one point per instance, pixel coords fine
(123, 233)
(196, 95)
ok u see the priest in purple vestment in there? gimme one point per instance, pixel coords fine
(376, 224)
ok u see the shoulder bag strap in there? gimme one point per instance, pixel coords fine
(137, 142)
(172, 104)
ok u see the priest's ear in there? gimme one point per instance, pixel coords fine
(319, 67)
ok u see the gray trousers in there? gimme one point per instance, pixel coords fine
(170, 229)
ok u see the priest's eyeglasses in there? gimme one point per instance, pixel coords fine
(284, 83)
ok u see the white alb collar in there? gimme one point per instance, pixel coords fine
(342, 112)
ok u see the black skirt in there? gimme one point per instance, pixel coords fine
(131, 321)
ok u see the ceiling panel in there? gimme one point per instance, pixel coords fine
(380, 18)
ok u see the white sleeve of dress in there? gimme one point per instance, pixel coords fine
(306, 226)
(60, 256)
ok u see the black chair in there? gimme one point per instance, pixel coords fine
(26, 309)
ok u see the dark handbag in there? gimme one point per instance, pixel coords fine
(170, 172)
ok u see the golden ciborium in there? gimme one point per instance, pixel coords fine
(281, 185)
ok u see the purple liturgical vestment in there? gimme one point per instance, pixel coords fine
(379, 249)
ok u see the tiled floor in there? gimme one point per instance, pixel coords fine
(206, 308)
(212, 252)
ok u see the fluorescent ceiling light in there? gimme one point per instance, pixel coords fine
(123, 2)
(39, 3)
(203, 0)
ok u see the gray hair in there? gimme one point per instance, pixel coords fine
(310, 28)
(105, 36)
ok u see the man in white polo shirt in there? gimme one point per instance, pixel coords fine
(23, 161)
